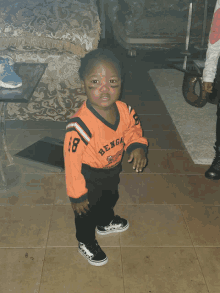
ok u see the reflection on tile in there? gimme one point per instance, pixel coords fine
(203, 223)
(162, 270)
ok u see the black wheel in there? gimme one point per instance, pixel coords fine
(192, 91)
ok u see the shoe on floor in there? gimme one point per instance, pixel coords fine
(214, 171)
(93, 253)
(8, 78)
(118, 224)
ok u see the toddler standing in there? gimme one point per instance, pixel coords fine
(96, 138)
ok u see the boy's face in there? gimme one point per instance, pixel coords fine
(102, 86)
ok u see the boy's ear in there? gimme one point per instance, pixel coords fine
(82, 86)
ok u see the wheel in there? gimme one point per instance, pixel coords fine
(189, 90)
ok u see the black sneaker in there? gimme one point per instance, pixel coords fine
(93, 253)
(214, 171)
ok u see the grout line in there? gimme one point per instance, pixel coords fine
(180, 174)
(135, 173)
(122, 204)
(111, 246)
(141, 173)
(194, 248)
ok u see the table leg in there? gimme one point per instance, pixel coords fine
(3, 130)
(3, 184)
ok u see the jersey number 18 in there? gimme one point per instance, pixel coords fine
(75, 144)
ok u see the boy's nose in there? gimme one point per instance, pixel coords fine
(105, 87)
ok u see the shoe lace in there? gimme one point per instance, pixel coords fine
(117, 220)
(94, 247)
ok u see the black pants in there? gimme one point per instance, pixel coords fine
(103, 194)
(217, 85)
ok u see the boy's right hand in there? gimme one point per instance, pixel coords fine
(80, 207)
(207, 87)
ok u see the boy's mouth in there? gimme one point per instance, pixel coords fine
(105, 97)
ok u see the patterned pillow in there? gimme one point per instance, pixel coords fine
(67, 25)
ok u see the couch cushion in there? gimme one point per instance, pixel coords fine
(68, 25)
(58, 95)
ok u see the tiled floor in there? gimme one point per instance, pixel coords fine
(172, 245)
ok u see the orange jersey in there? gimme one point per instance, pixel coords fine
(93, 141)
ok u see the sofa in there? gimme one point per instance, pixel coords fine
(139, 24)
(55, 32)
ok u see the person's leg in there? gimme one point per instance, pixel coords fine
(214, 171)
(105, 207)
(86, 223)
(217, 144)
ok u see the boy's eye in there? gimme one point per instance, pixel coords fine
(96, 81)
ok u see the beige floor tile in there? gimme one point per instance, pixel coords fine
(166, 161)
(21, 269)
(156, 122)
(61, 197)
(63, 232)
(31, 124)
(209, 259)
(145, 107)
(159, 139)
(33, 189)
(25, 226)
(153, 225)
(167, 270)
(65, 270)
(22, 138)
(28, 166)
(203, 224)
(168, 189)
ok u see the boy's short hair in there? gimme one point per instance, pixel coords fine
(95, 57)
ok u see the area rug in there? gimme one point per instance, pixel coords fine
(196, 126)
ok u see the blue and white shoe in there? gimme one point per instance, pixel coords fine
(8, 78)
(118, 224)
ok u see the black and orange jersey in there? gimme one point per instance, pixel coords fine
(93, 141)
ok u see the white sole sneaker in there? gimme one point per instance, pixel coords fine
(9, 86)
(93, 254)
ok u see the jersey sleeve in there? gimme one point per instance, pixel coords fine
(213, 51)
(133, 137)
(76, 140)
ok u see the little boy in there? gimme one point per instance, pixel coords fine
(96, 138)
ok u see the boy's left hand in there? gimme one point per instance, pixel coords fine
(140, 159)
